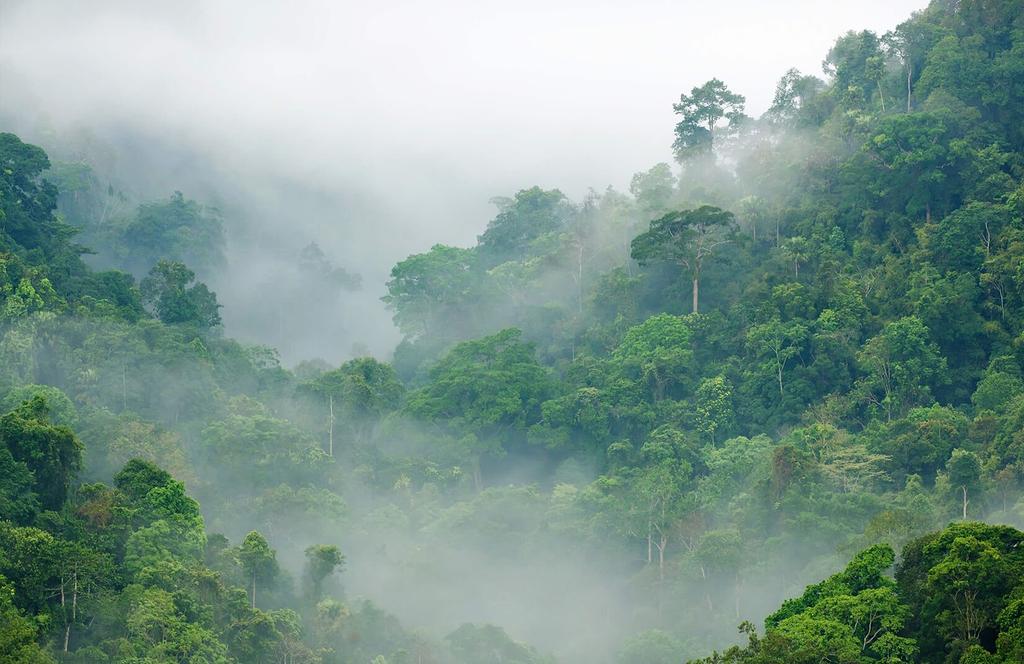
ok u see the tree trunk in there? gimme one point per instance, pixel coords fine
(696, 293)
(659, 387)
(964, 488)
(477, 479)
(579, 278)
(74, 611)
(254, 590)
(736, 594)
(909, 72)
(881, 95)
(661, 557)
(629, 255)
(707, 595)
(330, 430)
(67, 623)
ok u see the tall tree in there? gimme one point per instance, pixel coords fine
(686, 238)
(797, 100)
(28, 201)
(258, 561)
(531, 214)
(360, 391)
(428, 291)
(963, 471)
(701, 112)
(856, 64)
(174, 295)
(322, 560)
(776, 343)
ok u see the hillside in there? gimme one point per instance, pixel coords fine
(777, 385)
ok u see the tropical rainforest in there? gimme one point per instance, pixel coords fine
(765, 407)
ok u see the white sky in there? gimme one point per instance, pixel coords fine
(454, 98)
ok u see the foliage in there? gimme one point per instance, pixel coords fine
(654, 413)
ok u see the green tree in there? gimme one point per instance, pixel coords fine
(360, 391)
(798, 250)
(963, 470)
(657, 353)
(258, 561)
(50, 452)
(854, 613)
(490, 388)
(913, 162)
(920, 442)
(700, 113)
(176, 229)
(18, 632)
(956, 583)
(997, 387)
(18, 502)
(714, 408)
(653, 189)
(172, 293)
(685, 238)
(139, 477)
(28, 202)
(973, 574)
(908, 42)
(776, 343)
(322, 560)
(260, 450)
(81, 573)
(658, 490)
(797, 100)
(60, 409)
(962, 240)
(902, 365)
(170, 528)
(521, 220)
(855, 63)
(427, 291)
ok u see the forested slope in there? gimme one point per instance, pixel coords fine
(618, 427)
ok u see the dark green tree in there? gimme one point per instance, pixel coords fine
(173, 294)
(50, 452)
(700, 113)
(258, 561)
(177, 230)
(687, 239)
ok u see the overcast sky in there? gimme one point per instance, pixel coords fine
(467, 99)
(421, 110)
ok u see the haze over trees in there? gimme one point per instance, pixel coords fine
(780, 388)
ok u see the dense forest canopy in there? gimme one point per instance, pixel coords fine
(777, 385)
